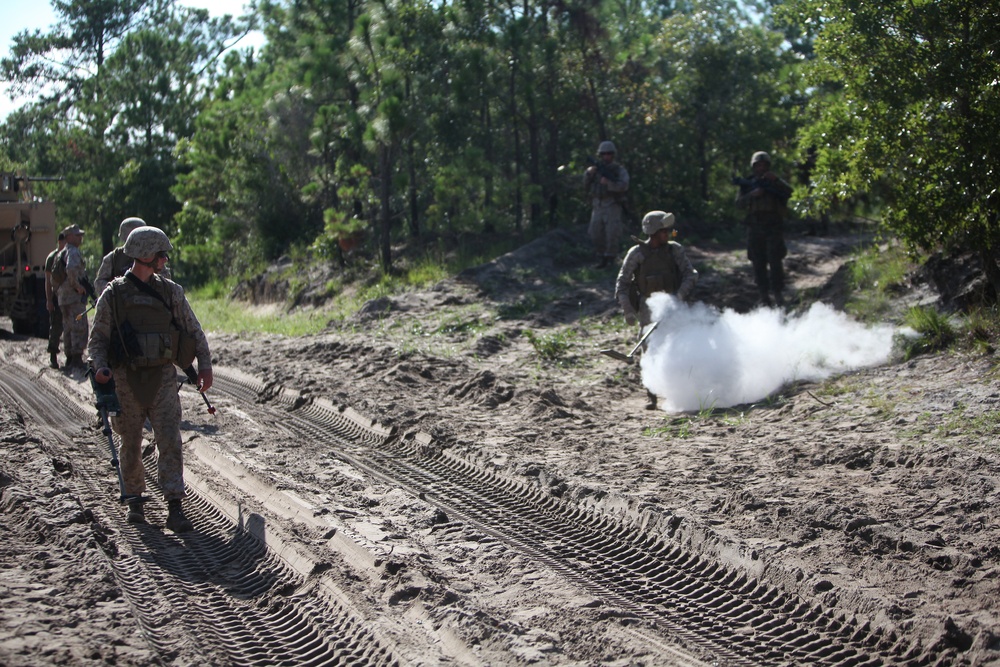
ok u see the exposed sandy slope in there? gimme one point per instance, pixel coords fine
(874, 493)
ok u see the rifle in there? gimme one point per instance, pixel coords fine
(192, 378)
(751, 184)
(603, 169)
(108, 406)
(88, 287)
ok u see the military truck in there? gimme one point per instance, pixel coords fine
(27, 235)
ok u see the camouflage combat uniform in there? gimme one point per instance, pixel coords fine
(147, 385)
(607, 209)
(765, 231)
(55, 315)
(72, 304)
(664, 269)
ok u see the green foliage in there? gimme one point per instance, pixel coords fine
(552, 347)
(383, 120)
(875, 273)
(223, 315)
(907, 109)
(935, 331)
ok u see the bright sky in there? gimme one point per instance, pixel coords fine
(40, 16)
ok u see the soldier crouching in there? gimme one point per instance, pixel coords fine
(143, 325)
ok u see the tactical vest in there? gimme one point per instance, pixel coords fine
(59, 269)
(120, 263)
(658, 271)
(144, 323)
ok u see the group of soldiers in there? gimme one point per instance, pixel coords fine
(660, 264)
(143, 326)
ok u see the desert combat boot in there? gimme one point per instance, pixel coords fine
(136, 513)
(176, 521)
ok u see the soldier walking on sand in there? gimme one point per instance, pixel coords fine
(55, 314)
(116, 263)
(658, 265)
(141, 327)
(72, 297)
(606, 182)
(764, 196)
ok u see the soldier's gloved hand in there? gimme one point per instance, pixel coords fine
(630, 318)
(103, 375)
(204, 380)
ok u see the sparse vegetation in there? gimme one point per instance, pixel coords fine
(876, 274)
(552, 347)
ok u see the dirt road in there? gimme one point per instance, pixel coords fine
(456, 477)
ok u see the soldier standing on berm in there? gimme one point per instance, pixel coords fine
(606, 183)
(764, 196)
(139, 325)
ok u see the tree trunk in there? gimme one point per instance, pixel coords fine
(385, 213)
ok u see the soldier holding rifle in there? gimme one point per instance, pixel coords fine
(606, 182)
(143, 325)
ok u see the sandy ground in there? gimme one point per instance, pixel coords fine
(873, 493)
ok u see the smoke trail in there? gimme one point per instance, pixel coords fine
(701, 358)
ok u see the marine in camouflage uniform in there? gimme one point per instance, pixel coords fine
(136, 339)
(607, 196)
(55, 314)
(116, 263)
(72, 299)
(765, 201)
(658, 265)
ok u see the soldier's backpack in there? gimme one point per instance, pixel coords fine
(59, 269)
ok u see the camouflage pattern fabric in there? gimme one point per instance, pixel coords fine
(165, 417)
(164, 413)
(55, 329)
(636, 255)
(605, 228)
(74, 330)
(76, 269)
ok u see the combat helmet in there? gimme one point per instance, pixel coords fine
(606, 147)
(128, 226)
(759, 156)
(146, 242)
(654, 221)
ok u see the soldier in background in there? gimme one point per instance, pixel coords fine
(658, 265)
(72, 298)
(116, 263)
(764, 196)
(139, 324)
(606, 182)
(55, 314)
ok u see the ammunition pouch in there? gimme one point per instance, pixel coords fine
(186, 349)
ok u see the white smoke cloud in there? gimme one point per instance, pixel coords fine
(701, 358)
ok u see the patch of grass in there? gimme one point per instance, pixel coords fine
(980, 329)
(935, 331)
(223, 315)
(551, 347)
(875, 275)
(683, 427)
